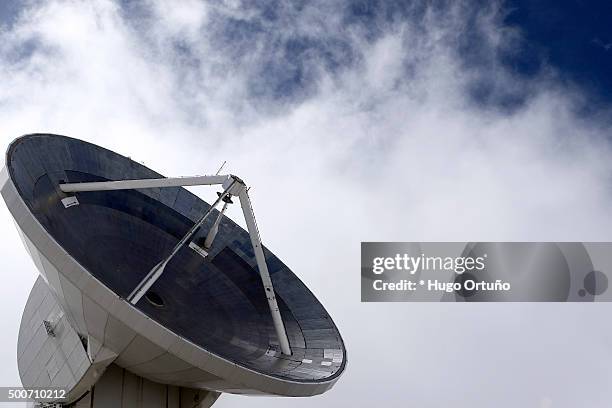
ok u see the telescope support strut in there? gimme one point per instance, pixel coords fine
(233, 186)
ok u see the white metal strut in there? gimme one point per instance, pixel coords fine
(233, 186)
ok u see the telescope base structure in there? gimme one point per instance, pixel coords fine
(118, 388)
(51, 354)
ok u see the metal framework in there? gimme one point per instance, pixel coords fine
(232, 186)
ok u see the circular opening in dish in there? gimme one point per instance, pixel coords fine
(154, 299)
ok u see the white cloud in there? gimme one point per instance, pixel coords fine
(184, 18)
(389, 147)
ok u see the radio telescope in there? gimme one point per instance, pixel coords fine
(149, 296)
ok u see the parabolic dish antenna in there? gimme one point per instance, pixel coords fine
(142, 282)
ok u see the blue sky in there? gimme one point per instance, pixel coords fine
(572, 37)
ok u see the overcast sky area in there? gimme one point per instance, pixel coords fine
(354, 122)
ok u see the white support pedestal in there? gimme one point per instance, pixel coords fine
(119, 388)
